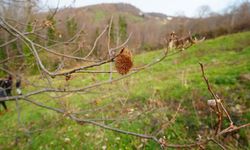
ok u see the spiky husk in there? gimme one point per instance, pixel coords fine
(123, 62)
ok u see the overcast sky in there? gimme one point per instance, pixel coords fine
(169, 7)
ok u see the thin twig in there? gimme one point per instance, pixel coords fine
(216, 142)
(218, 111)
(109, 50)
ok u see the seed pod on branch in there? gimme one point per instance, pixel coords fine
(123, 62)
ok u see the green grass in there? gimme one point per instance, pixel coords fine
(141, 103)
(99, 15)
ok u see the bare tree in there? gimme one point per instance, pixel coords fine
(204, 11)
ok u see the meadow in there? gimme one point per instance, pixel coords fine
(168, 100)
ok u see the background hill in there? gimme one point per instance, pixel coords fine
(149, 30)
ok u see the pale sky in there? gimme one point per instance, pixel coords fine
(168, 7)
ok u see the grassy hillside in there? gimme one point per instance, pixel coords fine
(143, 103)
